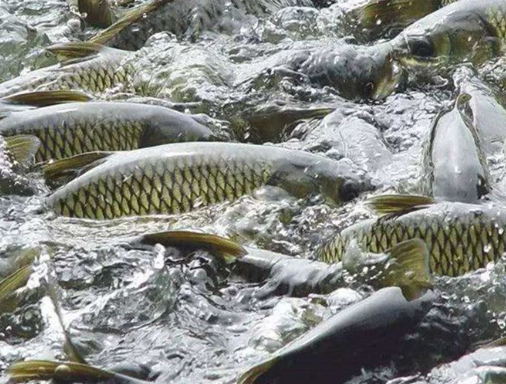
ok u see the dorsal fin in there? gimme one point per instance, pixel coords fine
(73, 165)
(22, 148)
(222, 246)
(127, 20)
(46, 98)
(75, 50)
(397, 205)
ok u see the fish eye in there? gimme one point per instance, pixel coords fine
(421, 48)
(369, 88)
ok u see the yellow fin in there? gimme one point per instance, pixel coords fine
(49, 370)
(97, 13)
(128, 19)
(75, 50)
(13, 282)
(252, 374)
(409, 268)
(397, 205)
(22, 148)
(227, 248)
(71, 165)
(45, 98)
(396, 12)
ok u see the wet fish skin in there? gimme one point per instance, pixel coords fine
(179, 178)
(192, 17)
(485, 108)
(74, 128)
(460, 237)
(93, 74)
(467, 30)
(341, 346)
(356, 72)
(383, 18)
(454, 166)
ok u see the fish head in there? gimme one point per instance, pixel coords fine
(459, 38)
(343, 182)
(356, 72)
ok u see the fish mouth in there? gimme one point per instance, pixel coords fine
(389, 83)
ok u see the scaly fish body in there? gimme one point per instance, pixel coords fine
(192, 17)
(94, 74)
(71, 129)
(380, 18)
(460, 237)
(467, 30)
(178, 178)
(455, 167)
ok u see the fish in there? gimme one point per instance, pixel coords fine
(71, 129)
(466, 30)
(461, 237)
(184, 18)
(358, 336)
(267, 122)
(406, 265)
(356, 72)
(177, 178)
(485, 108)
(383, 18)
(454, 166)
(84, 66)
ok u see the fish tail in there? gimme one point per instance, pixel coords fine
(13, 282)
(127, 20)
(22, 148)
(225, 248)
(409, 268)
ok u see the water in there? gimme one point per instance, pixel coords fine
(187, 317)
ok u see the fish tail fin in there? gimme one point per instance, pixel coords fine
(252, 374)
(398, 205)
(14, 281)
(46, 98)
(127, 20)
(97, 13)
(75, 50)
(54, 370)
(221, 246)
(69, 348)
(72, 165)
(397, 12)
(22, 148)
(409, 268)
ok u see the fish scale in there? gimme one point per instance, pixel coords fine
(460, 237)
(177, 178)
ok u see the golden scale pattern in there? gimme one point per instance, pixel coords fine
(78, 137)
(163, 187)
(455, 248)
